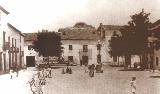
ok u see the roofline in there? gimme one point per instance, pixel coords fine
(80, 39)
(5, 11)
(11, 26)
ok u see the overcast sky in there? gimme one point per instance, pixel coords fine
(34, 15)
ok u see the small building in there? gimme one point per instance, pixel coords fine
(31, 57)
(11, 44)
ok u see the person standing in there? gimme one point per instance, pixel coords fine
(133, 85)
(91, 72)
(50, 72)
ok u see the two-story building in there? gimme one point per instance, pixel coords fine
(11, 44)
(83, 44)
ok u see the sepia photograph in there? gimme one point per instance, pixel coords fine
(79, 46)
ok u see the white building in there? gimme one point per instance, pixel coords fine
(11, 44)
(31, 57)
(80, 45)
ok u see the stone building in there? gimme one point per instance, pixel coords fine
(11, 44)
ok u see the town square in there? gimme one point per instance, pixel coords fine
(79, 47)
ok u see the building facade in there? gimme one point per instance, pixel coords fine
(154, 45)
(11, 44)
(83, 45)
(31, 57)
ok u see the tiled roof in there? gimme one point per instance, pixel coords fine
(109, 29)
(30, 36)
(74, 33)
(155, 25)
(5, 11)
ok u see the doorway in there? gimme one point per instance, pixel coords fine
(85, 60)
(30, 61)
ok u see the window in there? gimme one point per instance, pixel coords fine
(85, 48)
(15, 43)
(70, 58)
(98, 58)
(12, 42)
(70, 47)
(20, 38)
(30, 47)
(4, 40)
(157, 61)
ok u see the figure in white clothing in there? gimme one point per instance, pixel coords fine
(133, 85)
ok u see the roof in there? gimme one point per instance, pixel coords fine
(5, 11)
(155, 25)
(75, 33)
(30, 36)
(11, 26)
(109, 29)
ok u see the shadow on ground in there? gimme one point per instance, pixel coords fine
(154, 76)
(56, 67)
(131, 70)
(116, 65)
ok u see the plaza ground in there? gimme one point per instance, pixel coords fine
(112, 81)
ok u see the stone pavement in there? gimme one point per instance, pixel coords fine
(112, 81)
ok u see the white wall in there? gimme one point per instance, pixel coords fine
(77, 46)
(32, 52)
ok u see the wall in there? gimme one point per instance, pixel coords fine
(9, 57)
(78, 47)
(32, 52)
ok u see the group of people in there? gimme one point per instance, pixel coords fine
(68, 70)
(41, 75)
(14, 72)
(44, 73)
(92, 68)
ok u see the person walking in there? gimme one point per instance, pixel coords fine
(42, 78)
(133, 85)
(91, 72)
(11, 72)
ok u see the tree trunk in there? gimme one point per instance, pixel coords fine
(127, 60)
(118, 60)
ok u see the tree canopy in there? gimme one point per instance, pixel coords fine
(48, 44)
(133, 39)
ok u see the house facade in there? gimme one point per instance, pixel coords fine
(154, 45)
(83, 45)
(11, 44)
(31, 57)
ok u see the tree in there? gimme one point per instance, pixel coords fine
(115, 47)
(133, 39)
(135, 35)
(48, 44)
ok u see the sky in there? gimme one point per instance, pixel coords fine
(34, 15)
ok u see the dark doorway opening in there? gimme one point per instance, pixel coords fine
(30, 60)
(85, 60)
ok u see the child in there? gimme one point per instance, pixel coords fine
(133, 85)
(50, 72)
